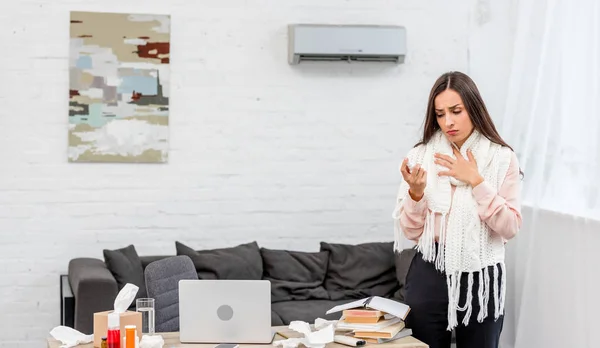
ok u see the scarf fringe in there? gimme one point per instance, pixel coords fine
(426, 245)
(453, 294)
(483, 294)
(502, 289)
(469, 303)
(484, 288)
(480, 294)
(496, 293)
(440, 258)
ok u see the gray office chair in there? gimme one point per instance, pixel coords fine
(162, 284)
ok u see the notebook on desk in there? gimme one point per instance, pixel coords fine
(225, 311)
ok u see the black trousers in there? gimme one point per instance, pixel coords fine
(427, 295)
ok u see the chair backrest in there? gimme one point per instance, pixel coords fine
(162, 284)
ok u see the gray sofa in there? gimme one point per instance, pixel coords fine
(304, 285)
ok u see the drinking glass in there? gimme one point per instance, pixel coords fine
(146, 307)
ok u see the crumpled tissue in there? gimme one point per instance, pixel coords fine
(125, 298)
(70, 337)
(155, 341)
(324, 333)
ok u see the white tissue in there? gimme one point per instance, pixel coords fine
(125, 298)
(312, 339)
(70, 337)
(155, 341)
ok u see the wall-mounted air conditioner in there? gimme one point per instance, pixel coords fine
(384, 43)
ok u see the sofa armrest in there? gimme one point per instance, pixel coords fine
(94, 289)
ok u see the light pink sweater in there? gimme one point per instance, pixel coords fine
(501, 210)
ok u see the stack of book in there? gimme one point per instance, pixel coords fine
(374, 319)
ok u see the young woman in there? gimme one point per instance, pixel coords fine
(460, 201)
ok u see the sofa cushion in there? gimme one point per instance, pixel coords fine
(239, 262)
(403, 262)
(276, 319)
(362, 270)
(295, 275)
(126, 267)
(306, 311)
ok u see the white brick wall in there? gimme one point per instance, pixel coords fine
(260, 150)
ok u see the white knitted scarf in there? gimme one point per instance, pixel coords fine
(465, 244)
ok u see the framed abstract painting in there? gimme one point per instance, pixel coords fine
(119, 87)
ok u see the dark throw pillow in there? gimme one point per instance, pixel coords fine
(239, 262)
(126, 266)
(295, 275)
(362, 270)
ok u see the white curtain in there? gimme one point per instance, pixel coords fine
(553, 109)
(552, 120)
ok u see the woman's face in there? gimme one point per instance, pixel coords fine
(452, 117)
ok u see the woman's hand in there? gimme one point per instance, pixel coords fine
(416, 179)
(460, 168)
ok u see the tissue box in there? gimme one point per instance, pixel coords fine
(127, 318)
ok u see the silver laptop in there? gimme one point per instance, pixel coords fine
(225, 311)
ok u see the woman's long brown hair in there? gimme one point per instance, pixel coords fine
(471, 98)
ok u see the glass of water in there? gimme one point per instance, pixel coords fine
(146, 307)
